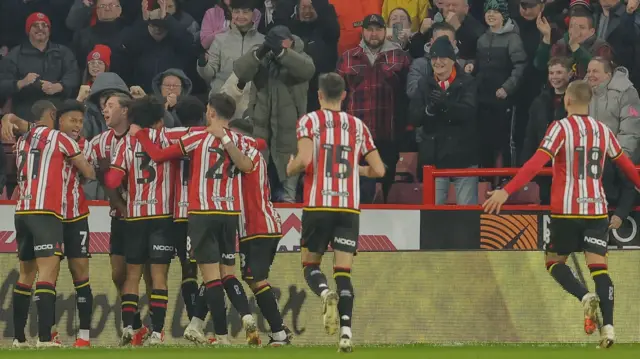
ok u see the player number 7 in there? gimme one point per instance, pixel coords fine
(84, 235)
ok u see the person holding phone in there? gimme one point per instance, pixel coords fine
(399, 27)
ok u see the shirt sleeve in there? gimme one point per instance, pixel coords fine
(553, 140)
(305, 127)
(614, 150)
(68, 146)
(249, 148)
(191, 141)
(367, 141)
(87, 151)
(173, 135)
(121, 161)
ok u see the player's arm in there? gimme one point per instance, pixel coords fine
(376, 167)
(72, 151)
(118, 169)
(627, 167)
(157, 153)
(528, 171)
(14, 125)
(304, 157)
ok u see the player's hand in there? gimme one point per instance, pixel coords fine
(8, 127)
(615, 222)
(497, 199)
(133, 129)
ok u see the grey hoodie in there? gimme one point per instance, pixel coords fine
(171, 117)
(616, 104)
(93, 120)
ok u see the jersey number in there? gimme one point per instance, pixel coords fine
(216, 172)
(593, 166)
(145, 165)
(334, 156)
(22, 161)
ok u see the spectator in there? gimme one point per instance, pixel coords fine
(84, 13)
(500, 64)
(274, 12)
(172, 85)
(239, 95)
(468, 30)
(416, 11)
(38, 69)
(227, 47)
(175, 9)
(618, 25)
(580, 43)
(156, 45)
(14, 13)
(350, 15)
(197, 8)
(445, 107)
(615, 103)
(399, 18)
(106, 84)
(375, 75)
(316, 23)
(217, 20)
(107, 30)
(547, 107)
(98, 61)
(280, 72)
(620, 192)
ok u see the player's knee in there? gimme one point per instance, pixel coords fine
(28, 275)
(79, 268)
(342, 276)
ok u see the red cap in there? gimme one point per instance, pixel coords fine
(35, 17)
(102, 53)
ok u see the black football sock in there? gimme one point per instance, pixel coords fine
(45, 298)
(564, 276)
(84, 302)
(268, 304)
(158, 304)
(344, 287)
(137, 320)
(201, 308)
(189, 292)
(604, 290)
(316, 280)
(129, 309)
(236, 294)
(214, 294)
(21, 303)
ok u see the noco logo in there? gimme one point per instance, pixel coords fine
(43, 247)
(509, 231)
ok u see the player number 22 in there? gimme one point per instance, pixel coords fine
(334, 156)
(589, 165)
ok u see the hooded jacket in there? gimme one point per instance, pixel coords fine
(94, 123)
(277, 98)
(500, 63)
(171, 118)
(616, 104)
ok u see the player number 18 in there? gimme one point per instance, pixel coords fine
(590, 165)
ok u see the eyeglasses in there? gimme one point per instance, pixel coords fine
(109, 6)
(171, 86)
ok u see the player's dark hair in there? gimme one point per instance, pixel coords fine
(67, 106)
(332, 86)
(607, 64)
(39, 108)
(146, 111)
(190, 111)
(442, 26)
(580, 92)
(223, 104)
(243, 125)
(566, 62)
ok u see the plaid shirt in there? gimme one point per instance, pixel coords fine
(372, 89)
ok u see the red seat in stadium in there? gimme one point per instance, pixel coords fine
(405, 193)
(529, 194)
(4, 195)
(407, 167)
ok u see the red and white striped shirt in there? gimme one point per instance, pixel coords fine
(332, 179)
(104, 147)
(258, 218)
(40, 161)
(215, 180)
(75, 206)
(149, 184)
(578, 146)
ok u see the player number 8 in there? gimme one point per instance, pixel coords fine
(188, 244)
(243, 262)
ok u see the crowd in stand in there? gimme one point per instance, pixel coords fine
(462, 83)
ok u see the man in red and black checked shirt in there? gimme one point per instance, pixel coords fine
(375, 73)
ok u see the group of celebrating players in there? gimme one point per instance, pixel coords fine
(193, 192)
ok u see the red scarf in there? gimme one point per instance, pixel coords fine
(445, 84)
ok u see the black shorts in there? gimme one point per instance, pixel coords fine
(76, 238)
(321, 228)
(38, 236)
(570, 235)
(149, 241)
(256, 257)
(212, 238)
(117, 238)
(180, 232)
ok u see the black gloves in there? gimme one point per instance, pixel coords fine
(436, 97)
(275, 36)
(262, 51)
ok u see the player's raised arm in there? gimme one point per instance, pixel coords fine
(155, 152)
(13, 125)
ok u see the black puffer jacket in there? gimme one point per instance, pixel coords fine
(448, 138)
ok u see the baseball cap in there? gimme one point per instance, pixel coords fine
(373, 19)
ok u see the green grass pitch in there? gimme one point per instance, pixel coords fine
(507, 351)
